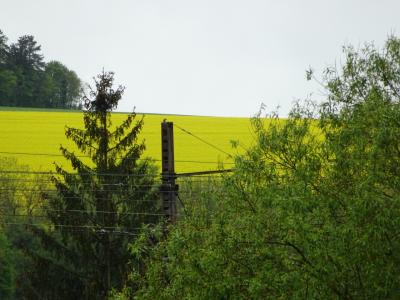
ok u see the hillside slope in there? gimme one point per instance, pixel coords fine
(42, 132)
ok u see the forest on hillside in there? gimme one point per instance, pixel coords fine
(26, 80)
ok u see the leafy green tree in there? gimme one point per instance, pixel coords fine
(7, 271)
(26, 80)
(3, 49)
(7, 77)
(312, 210)
(8, 83)
(20, 204)
(100, 207)
(66, 90)
(26, 54)
(26, 61)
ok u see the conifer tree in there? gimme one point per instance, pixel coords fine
(101, 205)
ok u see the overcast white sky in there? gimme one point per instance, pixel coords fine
(205, 57)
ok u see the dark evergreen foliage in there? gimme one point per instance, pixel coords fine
(101, 205)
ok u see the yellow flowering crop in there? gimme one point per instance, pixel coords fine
(42, 132)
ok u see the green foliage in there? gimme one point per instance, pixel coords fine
(8, 83)
(26, 80)
(20, 204)
(66, 86)
(100, 207)
(7, 269)
(3, 49)
(312, 211)
(19, 191)
(26, 61)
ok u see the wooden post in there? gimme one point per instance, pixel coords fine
(168, 187)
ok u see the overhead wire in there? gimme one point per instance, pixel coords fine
(82, 229)
(42, 180)
(98, 174)
(87, 156)
(99, 228)
(202, 140)
(83, 196)
(81, 211)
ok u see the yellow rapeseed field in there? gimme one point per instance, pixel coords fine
(42, 132)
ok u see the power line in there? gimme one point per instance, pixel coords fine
(204, 162)
(72, 226)
(40, 180)
(94, 174)
(205, 173)
(81, 211)
(119, 184)
(54, 191)
(202, 140)
(99, 198)
(98, 228)
(76, 174)
(87, 156)
(38, 154)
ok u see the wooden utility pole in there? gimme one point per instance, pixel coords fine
(168, 188)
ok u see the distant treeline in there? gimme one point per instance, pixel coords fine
(27, 81)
